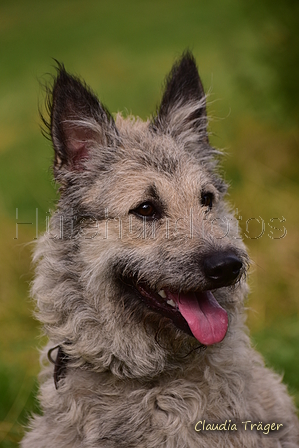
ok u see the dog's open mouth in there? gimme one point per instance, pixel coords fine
(196, 313)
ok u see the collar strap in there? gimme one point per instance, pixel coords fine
(60, 364)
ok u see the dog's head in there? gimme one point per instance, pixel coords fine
(143, 239)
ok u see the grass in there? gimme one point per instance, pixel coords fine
(123, 50)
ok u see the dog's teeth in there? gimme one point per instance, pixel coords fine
(162, 294)
(171, 303)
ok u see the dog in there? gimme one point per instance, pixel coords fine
(140, 285)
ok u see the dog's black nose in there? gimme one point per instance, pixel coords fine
(222, 269)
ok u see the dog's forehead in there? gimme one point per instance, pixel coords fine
(146, 159)
(159, 177)
(143, 148)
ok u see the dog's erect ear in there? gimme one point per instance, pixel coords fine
(183, 105)
(77, 121)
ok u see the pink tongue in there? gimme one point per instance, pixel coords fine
(207, 320)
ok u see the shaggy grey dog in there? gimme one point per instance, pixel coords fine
(140, 284)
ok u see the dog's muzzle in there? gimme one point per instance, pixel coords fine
(195, 310)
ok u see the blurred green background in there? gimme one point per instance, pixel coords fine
(247, 53)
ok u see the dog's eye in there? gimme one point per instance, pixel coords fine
(145, 210)
(207, 200)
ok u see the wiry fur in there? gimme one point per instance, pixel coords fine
(133, 379)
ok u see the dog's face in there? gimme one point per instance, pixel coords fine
(153, 251)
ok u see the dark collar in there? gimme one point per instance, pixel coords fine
(60, 364)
